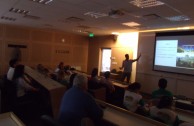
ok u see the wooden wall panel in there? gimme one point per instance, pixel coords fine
(80, 40)
(80, 54)
(63, 53)
(16, 32)
(1, 31)
(185, 88)
(10, 52)
(1, 50)
(41, 36)
(43, 46)
(41, 53)
(63, 38)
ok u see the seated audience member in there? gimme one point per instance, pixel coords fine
(61, 78)
(72, 76)
(12, 64)
(24, 90)
(93, 82)
(40, 68)
(59, 67)
(163, 111)
(105, 81)
(162, 83)
(132, 99)
(78, 104)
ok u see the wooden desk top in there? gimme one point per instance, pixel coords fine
(46, 82)
(120, 85)
(185, 115)
(10, 119)
(123, 117)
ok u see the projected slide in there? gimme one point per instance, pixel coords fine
(174, 52)
(185, 55)
(166, 52)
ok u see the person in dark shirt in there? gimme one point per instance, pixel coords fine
(162, 83)
(78, 104)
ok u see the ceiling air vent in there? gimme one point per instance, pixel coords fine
(8, 18)
(116, 13)
(83, 26)
(31, 17)
(151, 16)
(74, 19)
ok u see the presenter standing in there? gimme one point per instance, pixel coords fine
(127, 66)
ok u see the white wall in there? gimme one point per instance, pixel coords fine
(178, 84)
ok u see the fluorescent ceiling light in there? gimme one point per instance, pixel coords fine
(178, 18)
(146, 3)
(131, 24)
(19, 11)
(42, 1)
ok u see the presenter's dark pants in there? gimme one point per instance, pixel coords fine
(126, 75)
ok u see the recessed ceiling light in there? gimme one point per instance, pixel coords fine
(96, 14)
(19, 11)
(183, 28)
(131, 24)
(178, 18)
(146, 3)
(115, 33)
(42, 1)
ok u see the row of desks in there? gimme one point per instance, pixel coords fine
(55, 89)
(122, 117)
(111, 113)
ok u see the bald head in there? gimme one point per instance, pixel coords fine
(80, 81)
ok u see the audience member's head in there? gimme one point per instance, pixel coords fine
(40, 67)
(165, 102)
(94, 72)
(13, 63)
(126, 56)
(61, 65)
(19, 71)
(134, 87)
(80, 81)
(162, 83)
(107, 74)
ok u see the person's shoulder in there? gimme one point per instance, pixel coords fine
(169, 93)
(155, 91)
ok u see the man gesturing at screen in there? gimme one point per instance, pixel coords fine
(127, 66)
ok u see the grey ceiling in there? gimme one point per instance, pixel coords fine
(68, 15)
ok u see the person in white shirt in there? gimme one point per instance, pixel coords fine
(22, 86)
(59, 67)
(132, 99)
(163, 111)
(12, 63)
(127, 66)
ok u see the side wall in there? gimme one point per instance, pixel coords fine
(47, 47)
(177, 83)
